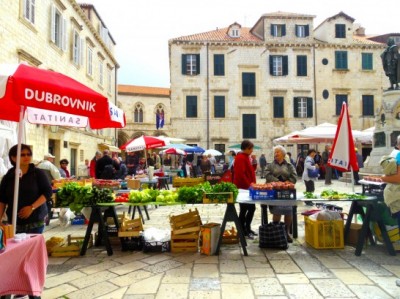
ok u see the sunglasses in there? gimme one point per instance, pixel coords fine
(26, 155)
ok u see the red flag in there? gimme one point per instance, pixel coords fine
(343, 154)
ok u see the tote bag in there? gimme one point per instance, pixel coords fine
(273, 235)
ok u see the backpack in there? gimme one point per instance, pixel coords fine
(108, 172)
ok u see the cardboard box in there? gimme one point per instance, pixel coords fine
(354, 232)
(133, 184)
(209, 238)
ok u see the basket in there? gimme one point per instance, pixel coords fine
(262, 194)
(324, 234)
(156, 246)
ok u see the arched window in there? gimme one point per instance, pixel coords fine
(138, 113)
(160, 116)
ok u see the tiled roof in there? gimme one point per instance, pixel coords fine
(143, 90)
(220, 35)
(365, 40)
(282, 14)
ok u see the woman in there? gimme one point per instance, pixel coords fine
(34, 191)
(281, 171)
(310, 166)
(64, 168)
(96, 157)
(243, 177)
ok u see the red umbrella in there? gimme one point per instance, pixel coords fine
(23, 86)
(343, 155)
(142, 143)
(174, 151)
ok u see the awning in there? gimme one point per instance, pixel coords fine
(111, 148)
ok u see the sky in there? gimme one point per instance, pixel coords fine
(142, 28)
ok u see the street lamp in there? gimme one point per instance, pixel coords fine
(53, 129)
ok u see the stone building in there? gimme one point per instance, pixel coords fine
(72, 39)
(276, 77)
(141, 105)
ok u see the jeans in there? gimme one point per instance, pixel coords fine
(36, 230)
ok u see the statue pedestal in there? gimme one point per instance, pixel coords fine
(387, 128)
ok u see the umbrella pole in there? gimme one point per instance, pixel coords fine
(17, 170)
(352, 179)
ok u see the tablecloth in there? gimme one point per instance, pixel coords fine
(23, 266)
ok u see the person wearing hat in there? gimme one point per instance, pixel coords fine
(47, 165)
(360, 165)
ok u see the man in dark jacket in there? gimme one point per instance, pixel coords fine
(106, 166)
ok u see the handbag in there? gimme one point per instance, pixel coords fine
(273, 235)
(313, 173)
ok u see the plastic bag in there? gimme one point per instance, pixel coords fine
(153, 234)
(65, 217)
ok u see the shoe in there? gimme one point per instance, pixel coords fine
(253, 233)
(250, 236)
(289, 239)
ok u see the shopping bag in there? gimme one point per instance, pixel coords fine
(313, 173)
(273, 235)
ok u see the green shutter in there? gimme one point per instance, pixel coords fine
(307, 30)
(183, 64)
(198, 64)
(272, 29)
(309, 108)
(296, 107)
(283, 30)
(285, 65)
(295, 29)
(271, 65)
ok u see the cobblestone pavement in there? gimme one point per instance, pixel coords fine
(299, 272)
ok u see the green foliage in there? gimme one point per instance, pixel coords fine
(195, 194)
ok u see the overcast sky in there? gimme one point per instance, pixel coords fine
(142, 28)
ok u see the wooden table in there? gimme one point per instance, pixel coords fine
(23, 266)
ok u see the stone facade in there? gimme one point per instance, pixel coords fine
(144, 103)
(61, 35)
(293, 68)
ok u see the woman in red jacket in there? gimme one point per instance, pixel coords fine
(243, 176)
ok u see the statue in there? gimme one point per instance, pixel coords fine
(391, 63)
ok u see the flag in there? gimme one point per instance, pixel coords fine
(157, 120)
(343, 154)
(161, 120)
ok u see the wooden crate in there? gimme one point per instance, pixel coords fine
(179, 182)
(228, 197)
(71, 248)
(131, 228)
(185, 229)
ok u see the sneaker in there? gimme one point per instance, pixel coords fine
(253, 233)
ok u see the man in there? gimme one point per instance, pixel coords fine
(47, 165)
(106, 166)
(391, 64)
(328, 169)
(360, 162)
(132, 161)
(263, 163)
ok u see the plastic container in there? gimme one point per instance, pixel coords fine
(262, 194)
(324, 234)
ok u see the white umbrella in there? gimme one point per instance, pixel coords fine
(212, 152)
(172, 139)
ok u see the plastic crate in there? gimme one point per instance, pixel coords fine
(324, 234)
(262, 194)
(156, 246)
(286, 194)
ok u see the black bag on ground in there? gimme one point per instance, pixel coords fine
(273, 235)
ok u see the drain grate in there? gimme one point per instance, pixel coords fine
(52, 269)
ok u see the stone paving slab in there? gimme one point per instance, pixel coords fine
(298, 272)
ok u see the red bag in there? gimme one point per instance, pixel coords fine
(227, 176)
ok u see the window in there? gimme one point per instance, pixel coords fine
(248, 84)
(219, 106)
(138, 113)
(249, 126)
(190, 64)
(109, 80)
(219, 65)
(302, 30)
(29, 10)
(340, 30)
(340, 98)
(303, 107)
(278, 65)
(278, 107)
(77, 46)
(89, 62)
(366, 61)
(101, 73)
(58, 29)
(191, 106)
(235, 32)
(278, 30)
(301, 65)
(103, 31)
(368, 105)
(341, 60)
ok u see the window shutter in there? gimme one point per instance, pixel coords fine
(198, 64)
(296, 29)
(271, 65)
(307, 29)
(183, 64)
(285, 65)
(283, 30)
(309, 108)
(81, 47)
(272, 29)
(64, 36)
(53, 24)
(295, 107)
